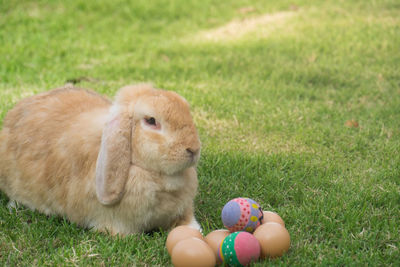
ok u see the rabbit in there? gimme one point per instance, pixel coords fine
(119, 167)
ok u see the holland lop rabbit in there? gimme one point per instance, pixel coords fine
(122, 167)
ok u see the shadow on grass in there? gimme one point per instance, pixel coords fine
(278, 181)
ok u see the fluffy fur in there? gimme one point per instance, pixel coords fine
(74, 153)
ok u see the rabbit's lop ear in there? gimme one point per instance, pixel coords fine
(113, 161)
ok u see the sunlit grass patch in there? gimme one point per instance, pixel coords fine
(255, 27)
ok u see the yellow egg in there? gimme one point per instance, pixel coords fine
(214, 240)
(192, 252)
(274, 239)
(180, 233)
(270, 216)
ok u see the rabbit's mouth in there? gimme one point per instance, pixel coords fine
(188, 162)
(174, 166)
(193, 154)
(193, 159)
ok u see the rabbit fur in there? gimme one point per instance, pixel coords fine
(122, 167)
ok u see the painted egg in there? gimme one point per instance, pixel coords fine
(180, 233)
(239, 249)
(241, 214)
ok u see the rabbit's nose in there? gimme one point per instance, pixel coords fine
(192, 152)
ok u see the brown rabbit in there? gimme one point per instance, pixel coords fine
(122, 167)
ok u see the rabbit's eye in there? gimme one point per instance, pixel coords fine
(151, 121)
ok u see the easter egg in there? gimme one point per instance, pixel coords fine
(180, 233)
(214, 240)
(192, 252)
(269, 216)
(239, 249)
(274, 239)
(241, 214)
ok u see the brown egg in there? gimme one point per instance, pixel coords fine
(192, 252)
(180, 233)
(270, 216)
(274, 239)
(214, 240)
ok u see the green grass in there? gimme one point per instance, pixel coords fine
(271, 107)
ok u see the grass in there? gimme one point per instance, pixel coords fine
(301, 114)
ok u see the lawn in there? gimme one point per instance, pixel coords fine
(297, 104)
